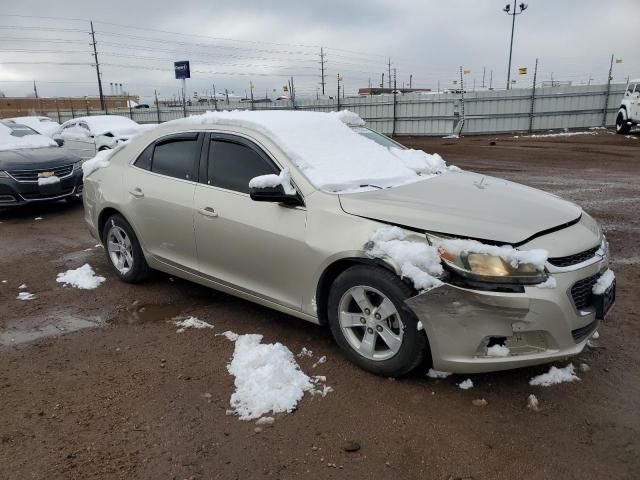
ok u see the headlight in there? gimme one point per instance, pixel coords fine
(77, 166)
(487, 267)
(4, 174)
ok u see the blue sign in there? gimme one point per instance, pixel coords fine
(182, 69)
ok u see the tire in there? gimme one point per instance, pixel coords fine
(123, 250)
(366, 345)
(622, 127)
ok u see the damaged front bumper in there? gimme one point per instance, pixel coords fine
(538, 326)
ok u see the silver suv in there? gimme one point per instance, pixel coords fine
(405, 258)
(629, 113)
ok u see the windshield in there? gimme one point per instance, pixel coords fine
(14, 136)
(377, 137)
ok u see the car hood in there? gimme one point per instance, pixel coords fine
(35, 158)
(466, 204)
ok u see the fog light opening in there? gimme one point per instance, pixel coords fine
(496, 341)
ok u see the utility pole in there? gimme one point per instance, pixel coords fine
(507, 10)
(338, 91)
(215, 98)
(226, 94)
(155, 94)
(484, 71)
(322, 61)
(389, 72)
(411, 80)
(35, 89)
(606, 98)
(533, 97)
(95, 56)
(382, 81)
(491, 80)
(251, 89)
(395, 101)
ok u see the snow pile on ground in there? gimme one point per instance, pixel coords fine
(22, 287)
(548, 283)
(498, 351)
(48, 180)
(11, 142)
(604, 282)
(101, 160)
(466, 385)
(267, 378)
(418, 261)
(560, 134)
(25, 296)
(437, 374)
(554, 376)
(272, 180)
(229, 335)
(82, 277)
(191, 322)
(328, 152)
(536, 257)
(533, 403)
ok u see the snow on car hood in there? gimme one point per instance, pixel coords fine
(466, 204)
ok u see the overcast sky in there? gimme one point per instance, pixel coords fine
(233, 43)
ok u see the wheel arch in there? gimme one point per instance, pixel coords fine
(333, 270)
(108, 212)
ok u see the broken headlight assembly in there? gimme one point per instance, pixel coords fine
(485, 267)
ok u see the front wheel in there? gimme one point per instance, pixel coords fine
(622, 127)
(371, 323)
(123, 250)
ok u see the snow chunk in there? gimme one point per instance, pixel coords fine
(419, 161)
(418, 261)
(595, 335)
(83, 277)
(25, 296)
(328, 152)
(466, 385)
(548, 283)
(536, 257)
(37, 219)
(101, 160)
(267, 378)
(604, 282)
(498, 351)
(437, 374)
(320, 361)
(272, 180)
(419, 326)
(229, 335)
(533, 403)
(349, 118)
(191, 322)
(22, 287)
(48, 180)
(305, 352)
(266, 421)
(554, 376)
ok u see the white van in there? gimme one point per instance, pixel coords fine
(629, 113)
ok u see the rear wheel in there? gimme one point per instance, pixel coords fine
(371, 323)
(123, 250)
(622, 126)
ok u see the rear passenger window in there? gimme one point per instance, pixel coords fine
(176, 157)
(144, 160)
(231, 165)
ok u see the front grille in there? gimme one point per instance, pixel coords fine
(44, 196)
(32, 175)
(575, 259)
(580, 334)
(582, 293)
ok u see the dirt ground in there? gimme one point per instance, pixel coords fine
(131, 398)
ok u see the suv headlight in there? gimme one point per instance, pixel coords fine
(77, 166)
(486, 267)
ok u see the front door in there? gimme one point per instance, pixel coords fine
(160, 186)
(251, 246)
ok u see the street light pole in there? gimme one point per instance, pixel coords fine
(507, 10)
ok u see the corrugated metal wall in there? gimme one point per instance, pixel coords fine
(498, 111)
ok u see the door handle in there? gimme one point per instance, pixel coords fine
(208, 212)
(136, 192)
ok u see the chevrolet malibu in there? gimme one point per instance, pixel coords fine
(406, 259)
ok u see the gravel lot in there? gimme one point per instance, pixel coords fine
(131, 398)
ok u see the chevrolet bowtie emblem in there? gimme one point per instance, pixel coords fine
(45, 174)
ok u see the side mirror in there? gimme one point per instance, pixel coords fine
(59, 141)
(276, 195)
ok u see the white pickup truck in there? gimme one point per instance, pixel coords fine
(629, 113)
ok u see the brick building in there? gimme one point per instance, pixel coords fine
(21, 106)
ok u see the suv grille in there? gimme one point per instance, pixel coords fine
(582, 293)
(32, 175)
(574, 259)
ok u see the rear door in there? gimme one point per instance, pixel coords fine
(252, 246)
(160, 188)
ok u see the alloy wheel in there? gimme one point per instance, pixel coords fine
(370, 323)
(120, 249)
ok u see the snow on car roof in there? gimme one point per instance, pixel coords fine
(11, 142)
(104, 123)
(328, 152)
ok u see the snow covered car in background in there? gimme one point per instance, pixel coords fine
(629, 113)
(312, 214)
(85, 136)
(42, 125)
(33, 168)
